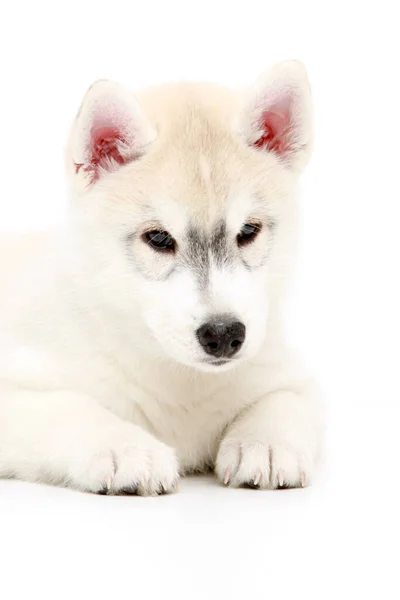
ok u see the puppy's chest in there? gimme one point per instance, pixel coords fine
(190, 417)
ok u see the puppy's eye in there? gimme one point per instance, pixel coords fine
(248, 232)
(160, 240)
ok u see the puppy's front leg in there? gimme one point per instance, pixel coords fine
(69, 439)
(275, 443)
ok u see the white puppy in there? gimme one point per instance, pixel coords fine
(147, 341)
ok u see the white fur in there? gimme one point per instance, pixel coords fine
(103, 384)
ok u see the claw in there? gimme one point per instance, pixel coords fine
(108, 484)
(303, 480)
(280, 478)
(227, 476)
(257, 478)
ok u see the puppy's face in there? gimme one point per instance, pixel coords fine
(184, 198)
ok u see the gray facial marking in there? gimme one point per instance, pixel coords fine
(219, 246)
(198, 256)
(202, 248)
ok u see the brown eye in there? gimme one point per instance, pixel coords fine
(161, 241)
(248, 232)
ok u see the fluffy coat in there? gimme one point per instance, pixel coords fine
(104, 386)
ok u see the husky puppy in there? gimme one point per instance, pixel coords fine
(146, 340)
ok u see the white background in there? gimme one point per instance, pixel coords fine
(338, 539)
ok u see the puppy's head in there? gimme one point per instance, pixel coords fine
(182, 205)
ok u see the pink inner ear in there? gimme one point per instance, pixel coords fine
(277, 129)
(104, 141)
(103, 148)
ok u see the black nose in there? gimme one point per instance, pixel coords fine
(221, 337)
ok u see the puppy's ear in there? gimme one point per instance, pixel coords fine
(109, 131)
(277, 116)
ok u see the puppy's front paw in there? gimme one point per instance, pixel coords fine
(129, 461)
(262, 464)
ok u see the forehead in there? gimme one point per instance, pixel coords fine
(199, 173)
(198, 155)
(194, 192)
